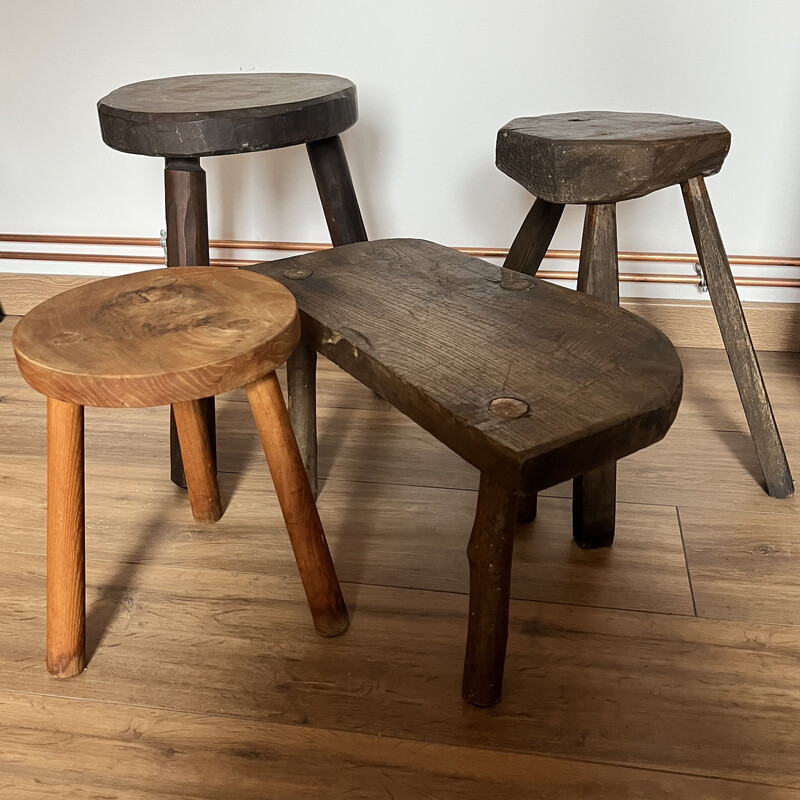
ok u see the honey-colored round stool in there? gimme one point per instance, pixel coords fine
(165, 337)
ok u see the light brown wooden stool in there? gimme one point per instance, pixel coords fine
(598, 159)
(165, 337)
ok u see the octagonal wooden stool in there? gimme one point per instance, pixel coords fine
(597, 159)
(156, 338)
(186, 118)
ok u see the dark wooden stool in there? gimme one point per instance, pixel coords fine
(157, 338)
(531, 383)
(599, 158)
(186, 118)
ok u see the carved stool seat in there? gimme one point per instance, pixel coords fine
(186, 118)
(529, 382)
(597, 159)
(157, 338)
(606, 157)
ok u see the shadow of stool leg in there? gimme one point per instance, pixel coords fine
(736, 337)
(187, 245)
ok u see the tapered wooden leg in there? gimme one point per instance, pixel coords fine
(736, 336)
(491, 547)
(594, 493)
(297, 504)
(198, 461)
(335, 187)
(66, 582)
(343, 217)
(301, 378)
(534, 237)
(526, 255)
(187, 246)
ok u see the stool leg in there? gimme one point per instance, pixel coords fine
(534, 237)
(736, 336)
(343, 216)
(526, 255)
(490, 550)
(526, 511)
(594, 493)
(335, 187)
(187, 245)
(297, 504)
(66, 581)
(301, 376)
(198, 460)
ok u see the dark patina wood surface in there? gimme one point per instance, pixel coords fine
(212, 115)
(607, 156)
(442, 335)
(529, 382)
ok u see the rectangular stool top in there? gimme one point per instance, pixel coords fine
(529, 381)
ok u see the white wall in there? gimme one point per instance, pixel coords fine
(436, 80)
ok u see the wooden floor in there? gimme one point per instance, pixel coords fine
(667, 666)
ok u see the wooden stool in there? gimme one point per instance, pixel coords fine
(599, 158)
(156, 338)
(189, 117)
(531, 383)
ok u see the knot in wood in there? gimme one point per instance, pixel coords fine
(514, 281)
(508, 407)
(297, 274)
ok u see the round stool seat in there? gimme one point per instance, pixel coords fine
(157, 337)
(212, 115)
(606, 156)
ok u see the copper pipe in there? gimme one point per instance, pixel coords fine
(480, 252)
(626, 277)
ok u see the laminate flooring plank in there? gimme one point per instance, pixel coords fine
(133, 753)
(657, 691)
(400, 536)
(744, 565)
(711, 401)
(690, 467)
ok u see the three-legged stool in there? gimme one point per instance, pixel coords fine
(157, 338)
(597, 159)
(184, 119)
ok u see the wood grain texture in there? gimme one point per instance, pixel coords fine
(187, 245)
(336, 192)
(198, 461)
(687, 323)
(66, 603)
(533, 239)
(157, 337)
(211, 115)
(551, 349)
(744, 564)
(606, 156)
(343, 217)
(598, 702)
(490, 551)
(134, 753)
(297, 504)
(739, 346)
(594, 494)
(301, 385)
(643, 690)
